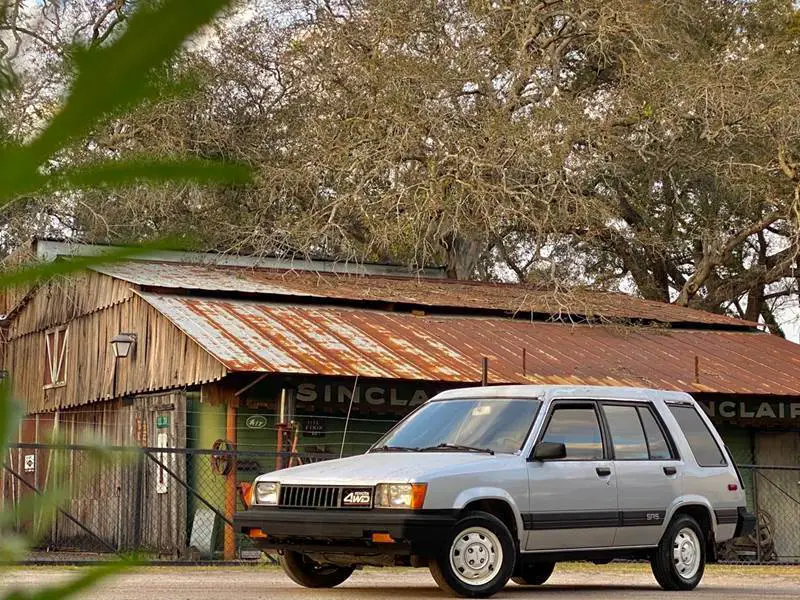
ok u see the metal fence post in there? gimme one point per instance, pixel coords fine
(137, 502)
(758, 520)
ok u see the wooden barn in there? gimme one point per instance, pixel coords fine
(178, 350)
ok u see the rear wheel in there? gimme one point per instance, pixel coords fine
(477, 557)
(534, 573)
(304, 571)
(679, 561)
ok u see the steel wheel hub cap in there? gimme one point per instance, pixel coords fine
(686, 553)
(476, 556)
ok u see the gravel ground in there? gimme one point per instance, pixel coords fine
(615, 582)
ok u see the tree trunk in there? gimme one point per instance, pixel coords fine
(462, 255)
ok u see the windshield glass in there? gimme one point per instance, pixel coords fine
(498, 425)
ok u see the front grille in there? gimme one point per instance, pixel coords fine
(309, 496)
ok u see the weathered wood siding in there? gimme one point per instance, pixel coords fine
(65, 298)
(125, 499)
(163, 357)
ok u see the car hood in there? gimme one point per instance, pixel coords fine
(382, 467)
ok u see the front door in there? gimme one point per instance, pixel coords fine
(573, 500)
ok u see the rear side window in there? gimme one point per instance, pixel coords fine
(626, 432)
(704, 447)
(656, 442)
(578, 429)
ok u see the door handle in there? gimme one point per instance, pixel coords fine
(603, 471)
(670, 470)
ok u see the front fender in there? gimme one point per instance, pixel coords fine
(490, 493)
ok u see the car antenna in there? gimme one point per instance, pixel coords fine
(347, 420)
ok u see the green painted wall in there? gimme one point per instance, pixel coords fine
(204, 425)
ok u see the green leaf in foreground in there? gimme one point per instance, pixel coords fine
(121, 173)
(72, 588)
(39, 272)
(108, 79)
(9, 416)
(118, 75)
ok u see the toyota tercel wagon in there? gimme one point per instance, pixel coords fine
(487, 484)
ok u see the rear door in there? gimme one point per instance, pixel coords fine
(573, 500)
(648, 472)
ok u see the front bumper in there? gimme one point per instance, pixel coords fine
(745, 523)
(417, 531)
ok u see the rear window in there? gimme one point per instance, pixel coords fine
(705, 449)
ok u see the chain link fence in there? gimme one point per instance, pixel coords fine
(773, 495)
(170, 504)
(161, 503)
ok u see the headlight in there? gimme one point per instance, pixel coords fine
(267, 492)
(400, 495)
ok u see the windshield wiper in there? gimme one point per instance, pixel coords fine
(457, 447)
(395, 449)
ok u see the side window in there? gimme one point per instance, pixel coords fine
(656, 442)
(627, 434)
(55, 357)
(578, 429)
(704, 447)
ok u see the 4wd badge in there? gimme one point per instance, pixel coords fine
(355, 497)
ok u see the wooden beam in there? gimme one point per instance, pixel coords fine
(232, 403)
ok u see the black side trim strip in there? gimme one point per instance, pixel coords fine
(592, 519)
(727, 516)
(570, 520)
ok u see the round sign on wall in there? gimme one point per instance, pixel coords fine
(256, 422)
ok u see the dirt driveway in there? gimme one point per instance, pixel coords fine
(611, 582)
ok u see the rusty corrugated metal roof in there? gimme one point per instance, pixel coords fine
(409, 291)
(266, 337)
(198, 277)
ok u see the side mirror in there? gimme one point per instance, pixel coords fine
(549, 451)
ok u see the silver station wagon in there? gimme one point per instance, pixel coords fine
(483, 485)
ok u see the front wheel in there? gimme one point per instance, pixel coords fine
(534, 573)
(477, 557)
(679, 561)
(304, 571)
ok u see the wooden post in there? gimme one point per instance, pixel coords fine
(524, 362)
(230, 480)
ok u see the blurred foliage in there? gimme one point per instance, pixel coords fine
(108, 80)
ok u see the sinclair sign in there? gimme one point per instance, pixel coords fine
(752, 410)
(363, 394)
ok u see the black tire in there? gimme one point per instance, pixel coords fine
(667, 568)
(304, 571)
(442, 567)
(534, 573)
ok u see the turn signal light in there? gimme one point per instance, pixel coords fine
(382, 538)
(248, 494)
(257, 533)
(418, 491)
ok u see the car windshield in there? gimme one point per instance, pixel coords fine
(498, 425)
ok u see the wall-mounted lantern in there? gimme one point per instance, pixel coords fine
(122, 344)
